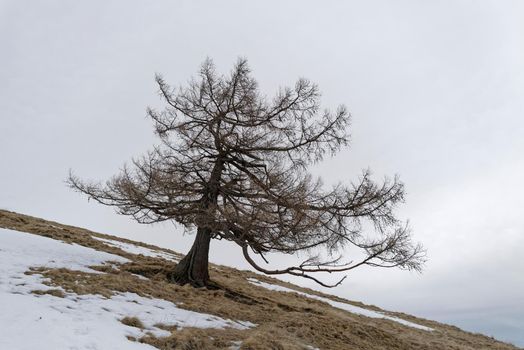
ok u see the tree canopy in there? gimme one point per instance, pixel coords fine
(233, 164)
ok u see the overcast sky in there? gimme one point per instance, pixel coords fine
(436, 90)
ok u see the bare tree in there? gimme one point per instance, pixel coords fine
(232, 164)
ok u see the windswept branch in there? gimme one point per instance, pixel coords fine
(233, 164)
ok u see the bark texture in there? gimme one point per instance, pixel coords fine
(193, 268)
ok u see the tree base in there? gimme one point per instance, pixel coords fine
(194, 267)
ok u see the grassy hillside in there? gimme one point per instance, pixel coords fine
(283, 319)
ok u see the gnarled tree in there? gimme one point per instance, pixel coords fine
(232, 164)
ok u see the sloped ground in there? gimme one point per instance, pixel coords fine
(124, 284)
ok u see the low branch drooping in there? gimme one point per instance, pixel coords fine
(233, 163)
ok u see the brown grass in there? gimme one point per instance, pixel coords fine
(285, 320)
(54, 292)
(132, 322)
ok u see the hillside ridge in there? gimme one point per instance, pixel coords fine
(246, 310)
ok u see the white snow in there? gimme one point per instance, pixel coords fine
(135, 249)
(235, 345)
(339, 305)
(79, 322)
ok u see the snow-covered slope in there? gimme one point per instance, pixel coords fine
(339, 305)
(64, 287)
(46, 322)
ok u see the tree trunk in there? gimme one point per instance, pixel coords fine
(193, 268)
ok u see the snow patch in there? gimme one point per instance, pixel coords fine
(339, 305)
(235, 345)
(46, 322)
(135, 249)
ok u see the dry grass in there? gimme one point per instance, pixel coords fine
(285, 320)
(54, 292)
(132, 322)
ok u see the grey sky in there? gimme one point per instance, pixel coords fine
(436, 90)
